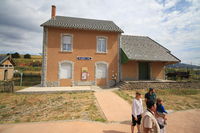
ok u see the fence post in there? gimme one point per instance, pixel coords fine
(21, 79)
(12, 82)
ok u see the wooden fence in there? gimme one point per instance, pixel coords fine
(7, 86)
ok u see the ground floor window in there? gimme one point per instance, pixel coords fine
(65, 70)
(101, 70)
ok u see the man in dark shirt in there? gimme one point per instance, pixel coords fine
(151, 95)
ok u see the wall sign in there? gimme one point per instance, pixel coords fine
(84, 74)
(84, 58)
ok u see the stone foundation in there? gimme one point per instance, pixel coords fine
(159, 85)
(52, 84)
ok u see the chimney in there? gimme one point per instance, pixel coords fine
(53, 11)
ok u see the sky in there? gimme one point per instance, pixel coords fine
(175, 24)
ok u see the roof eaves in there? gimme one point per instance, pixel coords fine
(175, 57)
(158, 44)
(62, 27)
(151, 60)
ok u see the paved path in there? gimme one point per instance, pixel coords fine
(184, 122)
(65, 127)
(36, 89)
(178, 122)
(113, 106)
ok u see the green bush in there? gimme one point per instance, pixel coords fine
(27, 56)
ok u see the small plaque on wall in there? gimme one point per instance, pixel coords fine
(84, 58)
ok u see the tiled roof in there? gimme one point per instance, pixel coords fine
(82, 23)
(145, 49)
(3, 58)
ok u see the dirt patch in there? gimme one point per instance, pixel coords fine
(43, 107)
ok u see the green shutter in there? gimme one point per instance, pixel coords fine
(124, 58)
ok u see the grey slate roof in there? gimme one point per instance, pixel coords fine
(3, 58)
(82, 23)
(145, 49)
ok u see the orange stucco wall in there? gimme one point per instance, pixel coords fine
(84, 45)
(130, 70)
(157, 70)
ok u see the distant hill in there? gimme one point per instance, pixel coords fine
(183, 65)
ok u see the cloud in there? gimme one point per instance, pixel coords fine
(174, 24)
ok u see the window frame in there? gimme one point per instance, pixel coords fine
(61, 45)
(97, 41)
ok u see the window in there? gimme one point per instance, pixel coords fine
(101, 44)
(65, 70)
(67, 43)
(101, 70)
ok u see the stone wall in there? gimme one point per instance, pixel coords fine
(159, 85)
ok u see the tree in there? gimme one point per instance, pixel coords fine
(15, 55)
(27, 56)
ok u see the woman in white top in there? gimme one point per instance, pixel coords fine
(137, 110)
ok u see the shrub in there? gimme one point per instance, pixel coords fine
(27, 56)
(15, 55)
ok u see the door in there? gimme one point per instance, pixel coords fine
(144, 71)
(101, 74)
(6, 75)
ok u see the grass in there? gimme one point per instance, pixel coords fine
(173, 99)
(16, 108)
(27, 80)
(25, 60)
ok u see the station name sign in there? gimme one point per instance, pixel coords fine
(84, 58)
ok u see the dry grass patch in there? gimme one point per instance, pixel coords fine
(44, 107)
(174, 99)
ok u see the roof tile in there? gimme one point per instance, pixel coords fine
(82, 23)
(145, 49)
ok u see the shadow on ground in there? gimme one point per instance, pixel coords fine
(126, 122)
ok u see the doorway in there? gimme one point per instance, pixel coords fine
(5, 74)
(144, 71)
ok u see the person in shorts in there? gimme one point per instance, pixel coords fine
(137, 110)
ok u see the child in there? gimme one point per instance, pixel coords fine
(137, 110)
(161, 110)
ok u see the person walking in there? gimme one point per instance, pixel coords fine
(151, 95)
(149, 123)
(137, 110)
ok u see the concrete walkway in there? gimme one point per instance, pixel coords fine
(178, 122)
(36, 89)
(184, 122)
(114, 107)
(65, 127)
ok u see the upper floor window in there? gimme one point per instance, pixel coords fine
(101, 44)
(67, 43)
